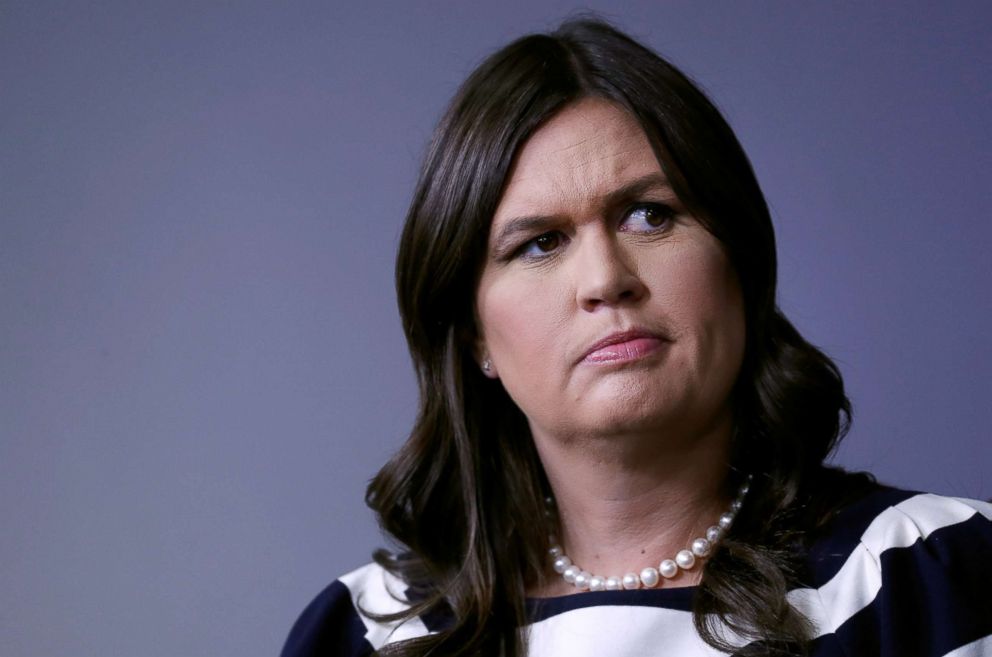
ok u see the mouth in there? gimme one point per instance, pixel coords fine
(624, 347)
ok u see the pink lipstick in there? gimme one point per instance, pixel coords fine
(621, 347)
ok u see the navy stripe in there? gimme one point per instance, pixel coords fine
(539, 609)
(329, 625)
(843, 533)
(765, 648)
(934, 596)
(830, 645)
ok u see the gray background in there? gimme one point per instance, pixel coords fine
(200, 359)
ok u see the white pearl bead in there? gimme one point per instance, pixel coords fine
(550, 501)
(649, 577)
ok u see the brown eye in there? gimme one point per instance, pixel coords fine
(646, 217)
(654, 216)
(547, 242)
(542, 246)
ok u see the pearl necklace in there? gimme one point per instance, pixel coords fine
(649, 577)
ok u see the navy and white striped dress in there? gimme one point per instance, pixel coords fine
(900, 574)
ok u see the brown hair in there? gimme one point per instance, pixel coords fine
(463, 495)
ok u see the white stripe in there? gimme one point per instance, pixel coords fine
(984, 508)
(858, 581)
(637, 630)
(375, 590)
(979, 648)
(618, 630)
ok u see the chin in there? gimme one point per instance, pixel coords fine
(621, 415)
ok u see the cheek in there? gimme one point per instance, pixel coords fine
(715, 294)
(707, 307)
(521, 324)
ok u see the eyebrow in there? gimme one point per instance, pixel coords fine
(541, 223)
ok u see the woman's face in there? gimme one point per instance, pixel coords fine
(602, 306)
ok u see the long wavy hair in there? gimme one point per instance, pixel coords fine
(464, 493)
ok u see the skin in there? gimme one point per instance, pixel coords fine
(635, 450)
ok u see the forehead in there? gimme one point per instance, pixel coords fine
(586, 150)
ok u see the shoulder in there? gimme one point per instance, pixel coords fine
(343, 618)
(903, 570)
(950, 527)
(893, 518)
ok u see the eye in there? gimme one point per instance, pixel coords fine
(646, 218)
(540, 245)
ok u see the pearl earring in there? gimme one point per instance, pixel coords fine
(487, 365)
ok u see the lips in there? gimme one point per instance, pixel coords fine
(623, 346)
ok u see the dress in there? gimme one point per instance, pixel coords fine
(897, 574)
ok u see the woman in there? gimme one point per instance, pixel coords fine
(620, 443)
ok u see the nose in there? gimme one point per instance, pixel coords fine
(604, 275)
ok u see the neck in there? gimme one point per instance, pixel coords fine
(626, 502)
